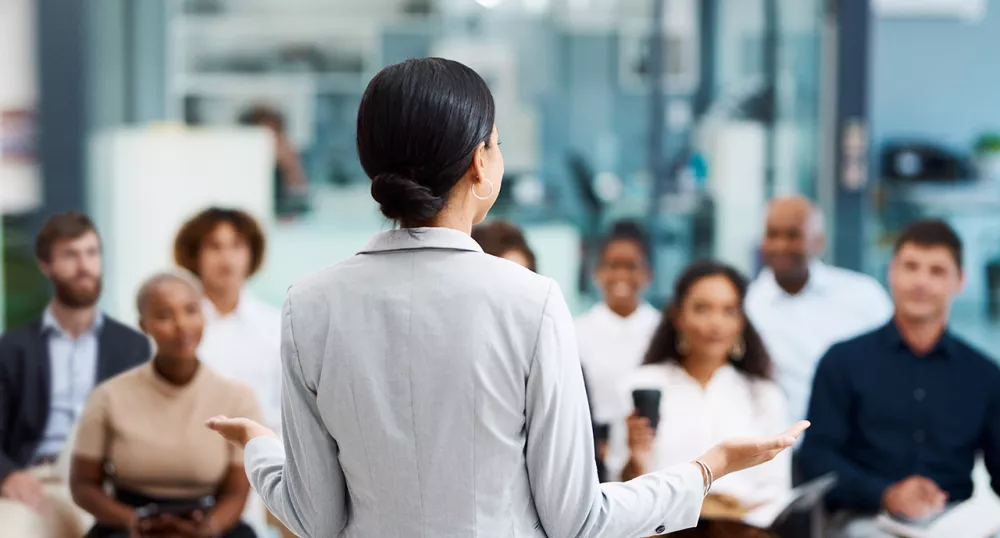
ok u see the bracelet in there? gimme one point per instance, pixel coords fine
(707, 475)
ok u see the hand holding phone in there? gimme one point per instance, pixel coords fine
(174, 519)
(647, 405)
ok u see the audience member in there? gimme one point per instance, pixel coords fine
(47, 369)
(714, 377)
(291, 186)
(802, 306)
(504, 240)
(143, 431)
(224, 248)
(899, 413)
(614, 334)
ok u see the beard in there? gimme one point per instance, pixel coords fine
(73, 295)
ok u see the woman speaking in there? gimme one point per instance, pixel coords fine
(432, 390)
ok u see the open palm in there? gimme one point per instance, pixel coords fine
(238, 431)
(733, 455)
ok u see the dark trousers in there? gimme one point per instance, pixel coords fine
(100, 530)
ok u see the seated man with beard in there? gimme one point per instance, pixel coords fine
(47, 369)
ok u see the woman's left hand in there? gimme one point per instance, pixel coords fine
(238, 431)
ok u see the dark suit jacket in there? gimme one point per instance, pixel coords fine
(26, 383)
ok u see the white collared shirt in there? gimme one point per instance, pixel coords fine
(246, 346)
(611, 347)
(694, 418)
(835, 305)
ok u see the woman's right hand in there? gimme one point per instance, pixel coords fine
(738, 454)
(238, 431)
(640, 440)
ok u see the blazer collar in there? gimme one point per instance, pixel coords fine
(421, 238)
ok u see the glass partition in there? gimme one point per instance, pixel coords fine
(590, 134)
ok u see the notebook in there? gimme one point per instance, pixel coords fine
(765, 516)
(978, 517)
(800, 499)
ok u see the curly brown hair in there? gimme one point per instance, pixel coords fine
(187, 244)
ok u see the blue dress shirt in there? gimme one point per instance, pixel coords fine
(881, 413)
(74, 369)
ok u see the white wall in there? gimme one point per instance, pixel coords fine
(146, 182)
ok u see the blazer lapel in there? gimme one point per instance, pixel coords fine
(105, 354)
(43, 361)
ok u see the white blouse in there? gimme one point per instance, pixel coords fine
(611, 348)
(245, 345)
(695, 418)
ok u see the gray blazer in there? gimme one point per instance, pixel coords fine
(432, 390)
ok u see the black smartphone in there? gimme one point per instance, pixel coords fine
(185, 510)
(601, 433)
(647, 403)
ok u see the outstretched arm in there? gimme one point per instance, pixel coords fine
(302, 483)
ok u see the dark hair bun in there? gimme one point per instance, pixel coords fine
(420, 123)
(400, 198)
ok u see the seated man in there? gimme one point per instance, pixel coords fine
(47, 369)
(802, 306)
(900, 413)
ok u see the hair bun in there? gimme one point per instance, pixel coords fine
(403, 199)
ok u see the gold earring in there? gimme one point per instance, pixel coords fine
(683, 347)
(739, 349)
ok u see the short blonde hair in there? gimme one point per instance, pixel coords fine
(170, 275)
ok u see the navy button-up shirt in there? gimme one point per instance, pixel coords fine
(881, 413)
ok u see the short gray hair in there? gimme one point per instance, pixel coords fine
(170, 275)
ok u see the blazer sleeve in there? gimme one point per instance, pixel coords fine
(560, 449)
(7, 357)
(302, 482)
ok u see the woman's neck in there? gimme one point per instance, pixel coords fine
(701, 368)
(224, 300)
(451, 220)
(177, 372)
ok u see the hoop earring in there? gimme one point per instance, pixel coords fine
(683, 347)
(487, 197)
(739, 349)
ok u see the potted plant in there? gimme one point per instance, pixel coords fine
(987, 150)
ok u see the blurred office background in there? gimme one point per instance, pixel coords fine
(684, 114)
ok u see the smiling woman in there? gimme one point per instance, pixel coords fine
(127, 419)
(614, 334)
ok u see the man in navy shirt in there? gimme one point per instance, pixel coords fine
(900, 413)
